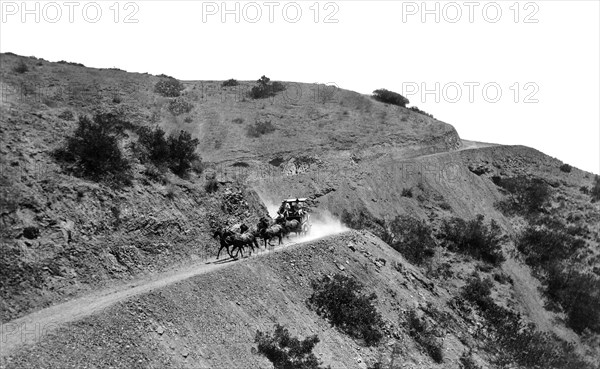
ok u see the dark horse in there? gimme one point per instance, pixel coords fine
(289, 225)
(240, 240)
(222, 234)
(267, 230)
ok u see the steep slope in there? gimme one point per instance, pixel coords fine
(119, 233)
(209, 321)
(354, 158)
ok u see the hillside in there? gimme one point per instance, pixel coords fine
(357, 159)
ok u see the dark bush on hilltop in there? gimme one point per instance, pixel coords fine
(565, 168)
(412, 238)
(168, 87)
(265, 88)
(390, 97)
(285, 351)
(93, 150)
(417, 110)
(21, 67)
(424, 335)
(177, 152)
(474, 237)
(510, 340)
(527, 196)
(259, 128)
(341, 301)
(230, 83)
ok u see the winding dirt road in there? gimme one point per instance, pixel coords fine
(31, 328)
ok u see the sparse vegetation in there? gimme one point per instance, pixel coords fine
(547, 245)
(417, 110)
(238, 120)
(390, 97)
(424, 334)
(412, 238)
(287, 352)
(265, 88)
(93, 150)
(510, 340)
(230, 83)
(179, 106)
(407, 192)
(168, 87)
(474, 237)
(259, 128)
(527, 196)
(341, 301)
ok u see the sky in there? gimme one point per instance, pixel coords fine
(508, 72)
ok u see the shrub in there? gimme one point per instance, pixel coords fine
(584, 190)
(182, 152)
(66, 115)
(341, 301)
(179, 106)
(230, 83)
(31, 232)
(595, 191)
(466, 361)
(510, 340)
(546, 244)
(286, 352)
(417, 110)
(390, 97)
(94, 149)
(565, 168)
(21, 67)
(412, 238)
(260, 128)
(474, 238)
(168, 87)
(528, 196)
(176, 152)
(155, 142)
(424, 335)
(265, 88)
(211, 186)
(238, 120)
(578, 294)
(407, 192)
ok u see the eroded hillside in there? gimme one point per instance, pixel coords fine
(354, 158)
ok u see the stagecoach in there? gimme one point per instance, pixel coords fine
(296, 209)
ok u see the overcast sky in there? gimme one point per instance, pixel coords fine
(505, 72)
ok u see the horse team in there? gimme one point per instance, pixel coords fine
(267, 229)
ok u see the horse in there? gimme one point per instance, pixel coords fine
(224, 243)
(241, 240)
(267, 230)
(290, 225)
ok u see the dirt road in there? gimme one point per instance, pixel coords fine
(31, 328)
